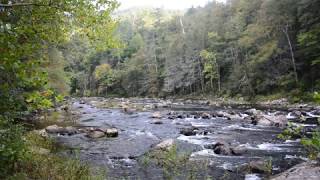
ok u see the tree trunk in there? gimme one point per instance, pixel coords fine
(219, 78)
(285, 31)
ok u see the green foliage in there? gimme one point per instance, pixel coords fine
(312, 144)
(316, 97)
(32, 69)
(291, 132)
(12, 148)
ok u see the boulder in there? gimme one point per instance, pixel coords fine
(239, 150)
(252, 112)
(112, 132)
(260, 166)
(165, 145)
(221, 148)
(70, 130)
(205, 115)
(266, 120)
(307, 170)
(156, 115)
(188, 131)
(95, 134)
(54, 129)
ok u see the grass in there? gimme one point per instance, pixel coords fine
(45, 165)
(174, 165)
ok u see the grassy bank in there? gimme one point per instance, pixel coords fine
(37, 159)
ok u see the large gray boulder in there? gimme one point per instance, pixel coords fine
(306, 171)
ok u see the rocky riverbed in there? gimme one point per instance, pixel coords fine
(125, 136)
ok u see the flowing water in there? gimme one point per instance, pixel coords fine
(138, 135)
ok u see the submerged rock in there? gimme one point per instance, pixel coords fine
(307, 170)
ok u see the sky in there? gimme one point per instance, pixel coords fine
(167, 4)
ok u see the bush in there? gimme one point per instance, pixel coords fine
(312, 144)
(12, 147)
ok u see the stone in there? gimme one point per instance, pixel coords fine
(188, 131)
(223, 149)
(239, 150)
(296, 114)
(259, 166)
(205, 116)
(165, 145)
(42, 133)
(266, 120)
(307, 171)
(95, 134)
(252, 112)
(54, 129)
(156, 115)
(112, 132)
(71, 130)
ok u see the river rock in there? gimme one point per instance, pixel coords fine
(307, 171)
(42, 133)
(259, 166)
(188, 131)
(316, 112)
(223, 149)
(112, 132)
(252, 112)
(239, 150)
(54, 129)
(266, 120)
(70, 130)
(205, 115)
(165, 145)
(156, 115)
(95, 134)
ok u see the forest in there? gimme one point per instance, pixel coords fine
(241, 48)
(55, 53)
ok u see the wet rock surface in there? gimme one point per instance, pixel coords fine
(116, 133)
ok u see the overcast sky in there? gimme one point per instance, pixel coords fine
(167, 4)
